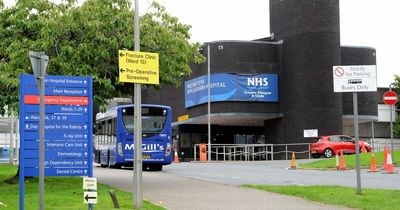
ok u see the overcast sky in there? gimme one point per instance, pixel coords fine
(371, 23)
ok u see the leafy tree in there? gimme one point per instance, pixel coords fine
(85, 39)
(396, 125)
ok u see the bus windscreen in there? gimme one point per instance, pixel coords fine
(153, 120)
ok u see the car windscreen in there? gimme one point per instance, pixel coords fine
(153, 120)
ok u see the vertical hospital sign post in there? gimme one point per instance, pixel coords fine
(355, 79)
(67, 128)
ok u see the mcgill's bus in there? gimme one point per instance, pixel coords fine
(113, 140)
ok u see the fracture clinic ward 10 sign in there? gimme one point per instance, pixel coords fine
(68, 126)
(138, 67)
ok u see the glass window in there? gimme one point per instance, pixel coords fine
(185, 140)
(346, 139)
(260, 139)
(153, 120)
(240, 139)
(196, 138)
(335, 139)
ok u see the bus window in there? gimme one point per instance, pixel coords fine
(153, 120)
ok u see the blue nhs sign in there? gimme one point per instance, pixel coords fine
(232, 87)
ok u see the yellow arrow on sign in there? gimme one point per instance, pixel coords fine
(138, 67)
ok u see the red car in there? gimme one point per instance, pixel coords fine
(329, 146)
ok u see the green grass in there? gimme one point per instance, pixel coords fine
(342, 196)
(61, 193)
(365, 161)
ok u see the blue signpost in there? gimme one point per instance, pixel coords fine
(68, 127)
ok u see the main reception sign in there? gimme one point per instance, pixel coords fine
(231, 87)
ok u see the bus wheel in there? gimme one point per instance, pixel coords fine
(103, 166)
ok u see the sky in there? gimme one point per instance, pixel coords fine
(370, 23)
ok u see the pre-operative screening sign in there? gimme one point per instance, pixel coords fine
(354, 78)
(138, 67)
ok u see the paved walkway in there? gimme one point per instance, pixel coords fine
(180, 193)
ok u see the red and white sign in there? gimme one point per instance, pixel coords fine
(390, 98)
(58, 100)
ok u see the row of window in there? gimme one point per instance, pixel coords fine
(107, 127)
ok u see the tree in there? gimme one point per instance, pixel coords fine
(396, 125)
(85, 39)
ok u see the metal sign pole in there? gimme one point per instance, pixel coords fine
(357, 147)
(391, 127)
(12, 145)
(209, 102)
(39, 63)
(137, 177)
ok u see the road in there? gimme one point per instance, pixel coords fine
(276, 173)
(204, 186)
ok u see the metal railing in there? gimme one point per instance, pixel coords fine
(254, 152)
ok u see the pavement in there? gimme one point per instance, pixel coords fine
(183, 193)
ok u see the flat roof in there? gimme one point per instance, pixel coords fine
(231, 119)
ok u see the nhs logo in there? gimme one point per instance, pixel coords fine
(256, 81)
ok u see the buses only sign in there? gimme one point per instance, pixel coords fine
(138, 67)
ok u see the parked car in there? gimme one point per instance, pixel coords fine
(329, 146)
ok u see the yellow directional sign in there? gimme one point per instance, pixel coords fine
(183, 117)
(138, 67)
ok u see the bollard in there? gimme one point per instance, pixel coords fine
(114, 199)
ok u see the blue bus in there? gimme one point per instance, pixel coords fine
(113, 141)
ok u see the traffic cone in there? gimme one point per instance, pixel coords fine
(363, 147)
(389, 164)
(176, 158)
(293, 164)
(342, 162)
(337, 161)
(384, 157)
(373, 164)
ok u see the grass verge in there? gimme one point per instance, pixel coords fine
(337, 195)
(365, 161)
(61, 193)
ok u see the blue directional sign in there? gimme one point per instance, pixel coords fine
(68, 126)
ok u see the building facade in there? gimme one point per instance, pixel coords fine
(294, 65)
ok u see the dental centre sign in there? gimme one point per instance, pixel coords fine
(232, 87)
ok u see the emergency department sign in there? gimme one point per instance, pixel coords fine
(138, 67)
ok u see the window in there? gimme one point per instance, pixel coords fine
(335, 139)
(153, 120)
(185, 140)
(346, 139)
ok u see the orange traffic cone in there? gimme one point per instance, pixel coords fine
(389, 165)
(293, 164)
(176, 158)
(337, 161)
(363, 147)
(373, 164)
(384, 157)
(342, 162)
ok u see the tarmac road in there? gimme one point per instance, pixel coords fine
(183, 193)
